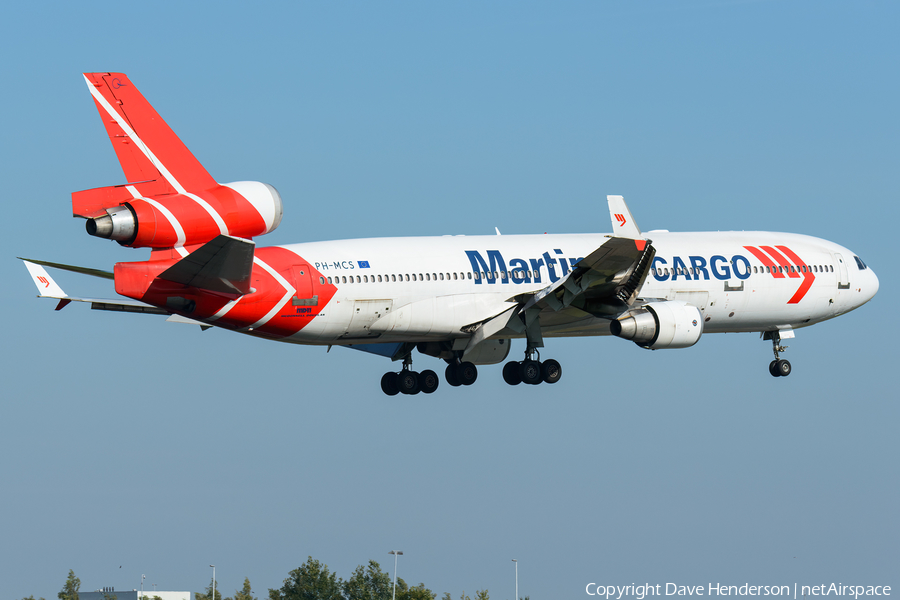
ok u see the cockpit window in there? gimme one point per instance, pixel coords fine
(860, 263)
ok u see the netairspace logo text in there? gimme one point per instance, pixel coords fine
(617, 592)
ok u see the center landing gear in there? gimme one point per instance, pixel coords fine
(532, 371)
(778, 367)
(408, 381)
(461, 373)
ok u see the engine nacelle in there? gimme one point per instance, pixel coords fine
(661, 325)
(242, 209)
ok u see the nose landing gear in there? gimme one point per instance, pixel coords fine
(778, 367)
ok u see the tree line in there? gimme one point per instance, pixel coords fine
(311, 581)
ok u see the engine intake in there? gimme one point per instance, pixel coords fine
(660, 325)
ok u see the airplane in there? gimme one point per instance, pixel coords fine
(460, 299)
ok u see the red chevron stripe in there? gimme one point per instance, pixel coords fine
(808, 276)
(765, 260)
(781, 260)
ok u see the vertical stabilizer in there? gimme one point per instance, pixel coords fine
(145, 145)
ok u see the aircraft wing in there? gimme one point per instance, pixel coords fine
(48, 288)
(603, 284)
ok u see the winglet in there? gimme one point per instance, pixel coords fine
(623, 223)
(47, 288)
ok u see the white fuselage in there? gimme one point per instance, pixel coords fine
(428, 288)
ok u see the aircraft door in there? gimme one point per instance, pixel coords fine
(844, 280)
(302, 280)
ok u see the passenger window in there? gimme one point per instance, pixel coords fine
(470, 274)
(329, 280)
(420, 277)
(407, 276)
(321, 279)
(344, 277)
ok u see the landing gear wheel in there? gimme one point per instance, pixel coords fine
(551, 371)
(530, 372)
(772, 371)
(408, 382)
(389, 384)
(428, 381)
(783, 367)
(467, 373)
(451, 376)
(511, 373)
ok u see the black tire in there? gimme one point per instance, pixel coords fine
(551, 371)
(428, 381)
(511, 373)
(408, 382)
(467, 373)
(772, 370)
(783, 367)
(389, 384)
(451, 376)
(530, 372)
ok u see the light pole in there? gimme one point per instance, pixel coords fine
(396, 553)
(214, 583)
(517, 578)
(142, 586)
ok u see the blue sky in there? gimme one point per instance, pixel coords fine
(132, 446)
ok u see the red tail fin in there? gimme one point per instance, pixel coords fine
(146, 146)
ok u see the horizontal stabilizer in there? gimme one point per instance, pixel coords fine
(220, 265)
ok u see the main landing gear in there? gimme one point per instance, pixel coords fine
(779, 367)
(532, 371)
(408, 381)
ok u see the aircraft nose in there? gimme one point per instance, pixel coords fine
(872, 286)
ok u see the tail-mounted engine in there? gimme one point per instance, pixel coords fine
(173, 201)
(243, 209)
(660, 325)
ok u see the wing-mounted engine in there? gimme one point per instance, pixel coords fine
(659, 325)
(173, 201)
